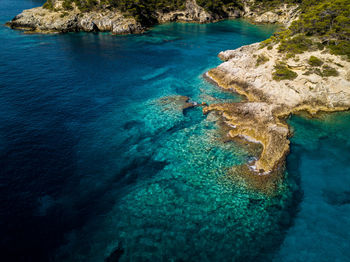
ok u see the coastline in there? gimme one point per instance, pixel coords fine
(262, 118)
(59, 20)
(270, 102)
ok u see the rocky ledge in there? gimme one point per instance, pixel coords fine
(41, 20)
(108, 19)
(251, 71)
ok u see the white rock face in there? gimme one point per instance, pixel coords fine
(241, 66)
(285, 14)
(42, 20)
(192, 13)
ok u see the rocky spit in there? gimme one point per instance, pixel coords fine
(262, 117)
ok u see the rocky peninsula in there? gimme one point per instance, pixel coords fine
(253, 71)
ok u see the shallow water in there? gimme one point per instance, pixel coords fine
(95, 168)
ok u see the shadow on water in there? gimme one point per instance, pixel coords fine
(33, 166)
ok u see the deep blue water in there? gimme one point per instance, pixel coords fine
(95, 167)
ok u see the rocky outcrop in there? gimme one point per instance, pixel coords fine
(256, 122)
(269, 101)
(284, 14)
(192, 13)
(42, 20)
(178, 102)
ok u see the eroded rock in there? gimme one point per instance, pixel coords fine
(269, 102)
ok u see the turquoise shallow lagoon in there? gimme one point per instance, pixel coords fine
(94, 167)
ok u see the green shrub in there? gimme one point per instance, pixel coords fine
(340, 48)
(262, 59)
(266, 5)
(217, 6)
(282, 72)
(268, 42)
(329, 71)
(325, 20)
(314, 61)
(67, 5)
(295, 45)
(48, 5)
(64, 14)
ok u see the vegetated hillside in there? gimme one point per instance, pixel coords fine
(145, 10)
(321, 24)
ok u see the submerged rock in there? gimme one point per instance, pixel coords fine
(178, 102)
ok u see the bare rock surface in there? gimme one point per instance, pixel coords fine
(192, 13)
(41, 20)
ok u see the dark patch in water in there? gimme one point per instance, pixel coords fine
(115, 255)
(139, 168)
(336, 198)
(133, 124)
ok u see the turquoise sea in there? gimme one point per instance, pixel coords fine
(95, 167)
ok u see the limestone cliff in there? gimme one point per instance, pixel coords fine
(41, 20)
(108, 18)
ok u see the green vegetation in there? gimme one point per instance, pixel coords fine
(329, 71)
(218, 6)
(282, 72)
(266, 5)
(48, 5)
(268, 42)
(64, 14)
(142, 10)
(145, 10)
(295, 45)
(324, 23)
(262, 59)
(314, 61)
(67, 5)
(325, 72)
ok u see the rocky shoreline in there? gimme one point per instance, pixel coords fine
(60, 20)
(262, 118)
(249, 70)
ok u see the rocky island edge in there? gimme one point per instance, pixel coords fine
(122, 18)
